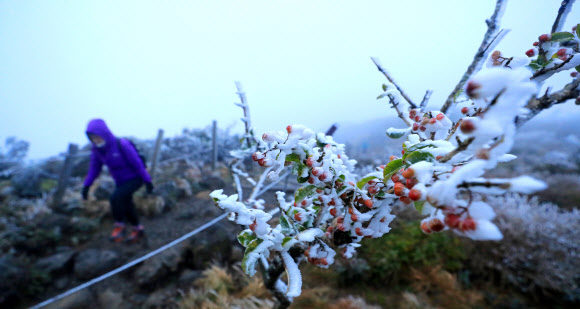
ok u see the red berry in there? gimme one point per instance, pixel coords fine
(408, 173)
(530, 52)
(372, 190)
(309, 162)
(495, 55)
(331, 202)
(403, 151)
(432, 121)
(350, 210)
(324, 176)
(307, 252)
(298, 216)
(452, 220)
(574, 74)
(340, 227)
(391, 158)
(369, 203)
(563, 58)
(382, 167)
(405, 199)
(415, 126)
(323, 261)
(438, 157)
(257, 156)
(467, 225)
(353, 217)
(311, 180)
(412, 113)
(465, 110)
(544, 37)
(317, 171)
(411, 183)
(395, 178)
(536, 43)
(561, 52)
(417, 118)
(423, 128)
(318, 191)
(358, 231)
(304, 203)
(436, 225)
(289, 129)
(399, 189)
(440, 116)
(330, 229)
(261, 162)
(425, 227)
(339, 220)
(467, 126)
(253, 226)
(471, 87)
(332, 212)
(415, 194)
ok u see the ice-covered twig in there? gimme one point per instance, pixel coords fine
(536, 105)
(426, 99)
(551, 70)
(244, 105)
(380, 68)
(481, 55)
(565, 8)
(462, 145)
(399, 113)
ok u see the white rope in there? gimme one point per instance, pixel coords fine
(139, 260)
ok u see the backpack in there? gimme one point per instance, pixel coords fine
(141, 156)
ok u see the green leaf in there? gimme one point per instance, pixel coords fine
(286, 240)
(249, 260)
(396, 133)
(341, 178)
(419, 205)
(418, 156)
(361, 183)
(304, 192)
(578, 30)
(420, 146)
(391, 168)
(578, 67)
(380, 194)
(245, 237)
(381, 96)
(286, 227)
(457, 94)
(384, 87)
(534, 66)
(562, 36)
(293, 157)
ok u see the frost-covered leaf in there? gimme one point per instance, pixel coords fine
(395, 133)
(578, 30)
(245, 237)
(418, 156)
(419, 146)
(286, 227)
(577, 67)
(250, 258)
(561, 37)
(391, 168)
(304, 192)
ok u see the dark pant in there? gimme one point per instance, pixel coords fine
(122, 204)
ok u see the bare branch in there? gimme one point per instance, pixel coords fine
(555, 68)
(460, 147)
(395, 106)
(426, 99)
(380, 68)
(565, 8)
(480, 56)
(536, 105)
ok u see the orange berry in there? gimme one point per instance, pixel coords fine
(405, 199)
(353, 217)
(358, 231)
(415, 194)
(436, 225)
(425, 227)
(408, 173)
(369, 203)
(452, 220)
(467, 225)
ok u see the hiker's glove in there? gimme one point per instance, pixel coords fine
(149, 187)
(85, 193)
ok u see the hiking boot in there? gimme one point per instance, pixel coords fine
(136, 235)
(118, 233)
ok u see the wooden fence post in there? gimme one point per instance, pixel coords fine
(64, 175)
(214, 146)
(155, 155)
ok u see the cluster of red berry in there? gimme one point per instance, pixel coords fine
(404, 181)
(315, 261)
(451, 220)
(421, 123)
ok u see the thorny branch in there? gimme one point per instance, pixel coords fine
(480, 56)
(380, 68)
(536, 105)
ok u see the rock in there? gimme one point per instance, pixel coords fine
(80, 300)
(26, 182)
(215, 243)
(203, 195)
(159, 266)
(149, 205)
(10, 280)
(111, 299)
(183, 188)
(103, 188)
(71, 202)
(56, 263)
(159, 299)
(93, 262)
(96, 208)
(193, 174)
(212, 183)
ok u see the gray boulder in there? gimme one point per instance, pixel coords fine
(93, 262)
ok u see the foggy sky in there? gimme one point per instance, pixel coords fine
(145, 65)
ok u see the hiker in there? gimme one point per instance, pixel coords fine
(128, 171)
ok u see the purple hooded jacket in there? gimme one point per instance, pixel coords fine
(124, 164)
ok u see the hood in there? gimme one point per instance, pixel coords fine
(99, 127)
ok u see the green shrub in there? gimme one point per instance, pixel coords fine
(392, 256)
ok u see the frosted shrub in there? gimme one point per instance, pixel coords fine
(540, 249)
(443, 156)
